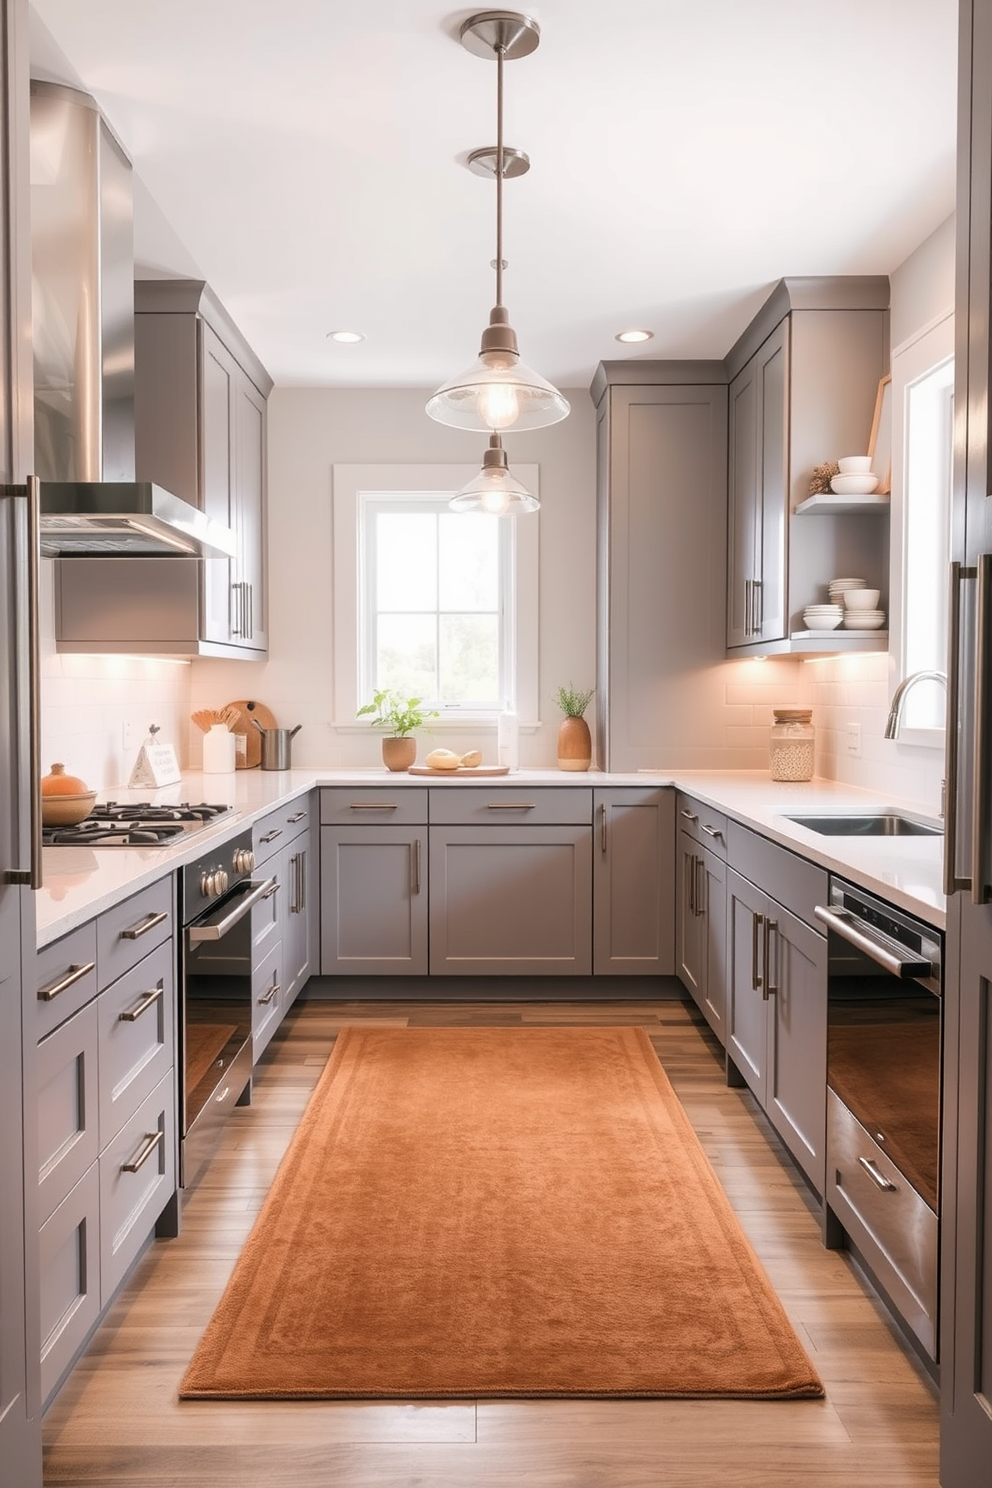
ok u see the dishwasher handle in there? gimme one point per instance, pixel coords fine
(841, 922)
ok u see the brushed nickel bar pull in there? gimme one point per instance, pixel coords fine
(303, 880)
(152, 1141)
(250, 589)
(747, 608)
(689, 815)
(700, 897)
(73, 975)
(298, 817)
(711, 831)
(770, 988)
(296, 907)
(602, 826)
(951, 880)
(416, 865)
(757, 605)
(373, 805)
(979, 792)
(148, 923)
(511, 805)
(756, 925)
(271, 836)
(876, 1176)
(267, 997)
(147, 1000)
(690, 879)
(34, 676)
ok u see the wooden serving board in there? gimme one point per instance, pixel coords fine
(248, 709)
(480, 770)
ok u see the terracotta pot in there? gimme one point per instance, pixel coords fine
(574, 744)
(399, 752)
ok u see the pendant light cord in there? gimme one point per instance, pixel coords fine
(499, 174)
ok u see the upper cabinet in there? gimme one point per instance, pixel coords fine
(200, 431)
(802, 385)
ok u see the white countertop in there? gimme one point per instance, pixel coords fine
(80, 882)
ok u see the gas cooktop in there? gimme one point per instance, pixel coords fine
(136, 824)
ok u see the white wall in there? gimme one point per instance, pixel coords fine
(858, 689)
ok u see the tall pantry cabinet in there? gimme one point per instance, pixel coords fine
(662, 491)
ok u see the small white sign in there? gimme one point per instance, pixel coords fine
(156, 765)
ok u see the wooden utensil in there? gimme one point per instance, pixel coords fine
(245, 709)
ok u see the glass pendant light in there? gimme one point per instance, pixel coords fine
(499, 391)
(495, 489)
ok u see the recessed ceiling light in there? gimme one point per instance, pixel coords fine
(347, 338)
(634, 335)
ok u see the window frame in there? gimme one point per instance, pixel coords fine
(353, 486)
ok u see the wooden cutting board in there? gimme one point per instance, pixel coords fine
(480, 770)
(248, 709)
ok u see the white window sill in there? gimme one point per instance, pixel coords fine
(454, 725)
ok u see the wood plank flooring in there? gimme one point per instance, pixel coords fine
(117, 1420)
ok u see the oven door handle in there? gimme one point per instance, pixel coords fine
(200, 933)
(844, 925)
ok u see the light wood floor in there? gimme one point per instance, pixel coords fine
(117, 1420)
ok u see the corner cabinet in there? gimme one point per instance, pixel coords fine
(701, 912)
(200, 431)
(802, 384)
(633, 882)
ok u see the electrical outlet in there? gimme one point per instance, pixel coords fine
(127, 735)
(854, 740)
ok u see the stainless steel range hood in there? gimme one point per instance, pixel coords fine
(82, 258)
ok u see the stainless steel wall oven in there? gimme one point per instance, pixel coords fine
(218, 896)
(884, 1014)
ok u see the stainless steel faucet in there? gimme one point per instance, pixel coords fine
(899, 697)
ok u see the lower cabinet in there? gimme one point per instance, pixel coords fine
(777, 1015)
(280, 926)
(373, 895)
(701, 910)
(633, 882)
(107, 1132)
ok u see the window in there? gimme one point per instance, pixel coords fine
(429, 602)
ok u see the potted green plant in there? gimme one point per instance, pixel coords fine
(574, 739)
(401, 717)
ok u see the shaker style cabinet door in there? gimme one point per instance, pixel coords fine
(747, 998)
(633, 882)
(373, 901)
(758, 496)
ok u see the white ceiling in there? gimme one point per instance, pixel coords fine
(304, 156)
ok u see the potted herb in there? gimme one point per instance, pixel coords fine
(574, 740)
(400, 717)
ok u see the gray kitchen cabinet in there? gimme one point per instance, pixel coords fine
(776, 1020)
(280, 924)
(373, 881)
(633, 881)
(802, 384)
(107, 1140)
(701, 909)
(200, 431)
(661, 539)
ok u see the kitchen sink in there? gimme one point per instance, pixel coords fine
(880, 824)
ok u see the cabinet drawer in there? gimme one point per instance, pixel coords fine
(703, 824)
(68, 1130)
(267, 999)
(69, 1273)
(797, 884)
(126, 933)
(510, 805)
(137, 1179)
(137, 1037)
(400, 806)
(274, 831)
(65, 977)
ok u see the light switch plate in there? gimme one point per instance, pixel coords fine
(853, 735)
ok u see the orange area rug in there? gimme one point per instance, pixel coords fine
(497, 1212)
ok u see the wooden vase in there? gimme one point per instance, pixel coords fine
(574, 744)
(399, 751)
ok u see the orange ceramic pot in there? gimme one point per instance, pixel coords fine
(399, 752)
(574, 744)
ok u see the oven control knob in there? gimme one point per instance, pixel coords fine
(244, 860)
(221, 880)
(208, 884)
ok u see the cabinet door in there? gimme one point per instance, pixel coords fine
(795, 975)
(373, 901)
(689, 922)
(742, 505)
(219, 374)
(634, 882)
(773, 503)
(713, 904)
(510, 901)
(251, 607)
(296, 911)
(747, 1011)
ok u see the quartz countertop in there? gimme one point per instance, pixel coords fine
(80, 882)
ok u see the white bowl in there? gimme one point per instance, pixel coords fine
(821, 622)
(837, 586)
(864, 619)
(855, 464)
(853, 485)
(861, 599)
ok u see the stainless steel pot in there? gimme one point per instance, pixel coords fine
(276, 746)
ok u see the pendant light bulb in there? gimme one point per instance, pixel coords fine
(495, 490)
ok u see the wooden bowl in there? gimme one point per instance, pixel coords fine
(66, 810)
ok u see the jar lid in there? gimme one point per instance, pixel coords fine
(792, 715)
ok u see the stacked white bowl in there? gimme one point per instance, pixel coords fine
(861, 610)
(839, 587)
(855, 477)
(823, 617)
